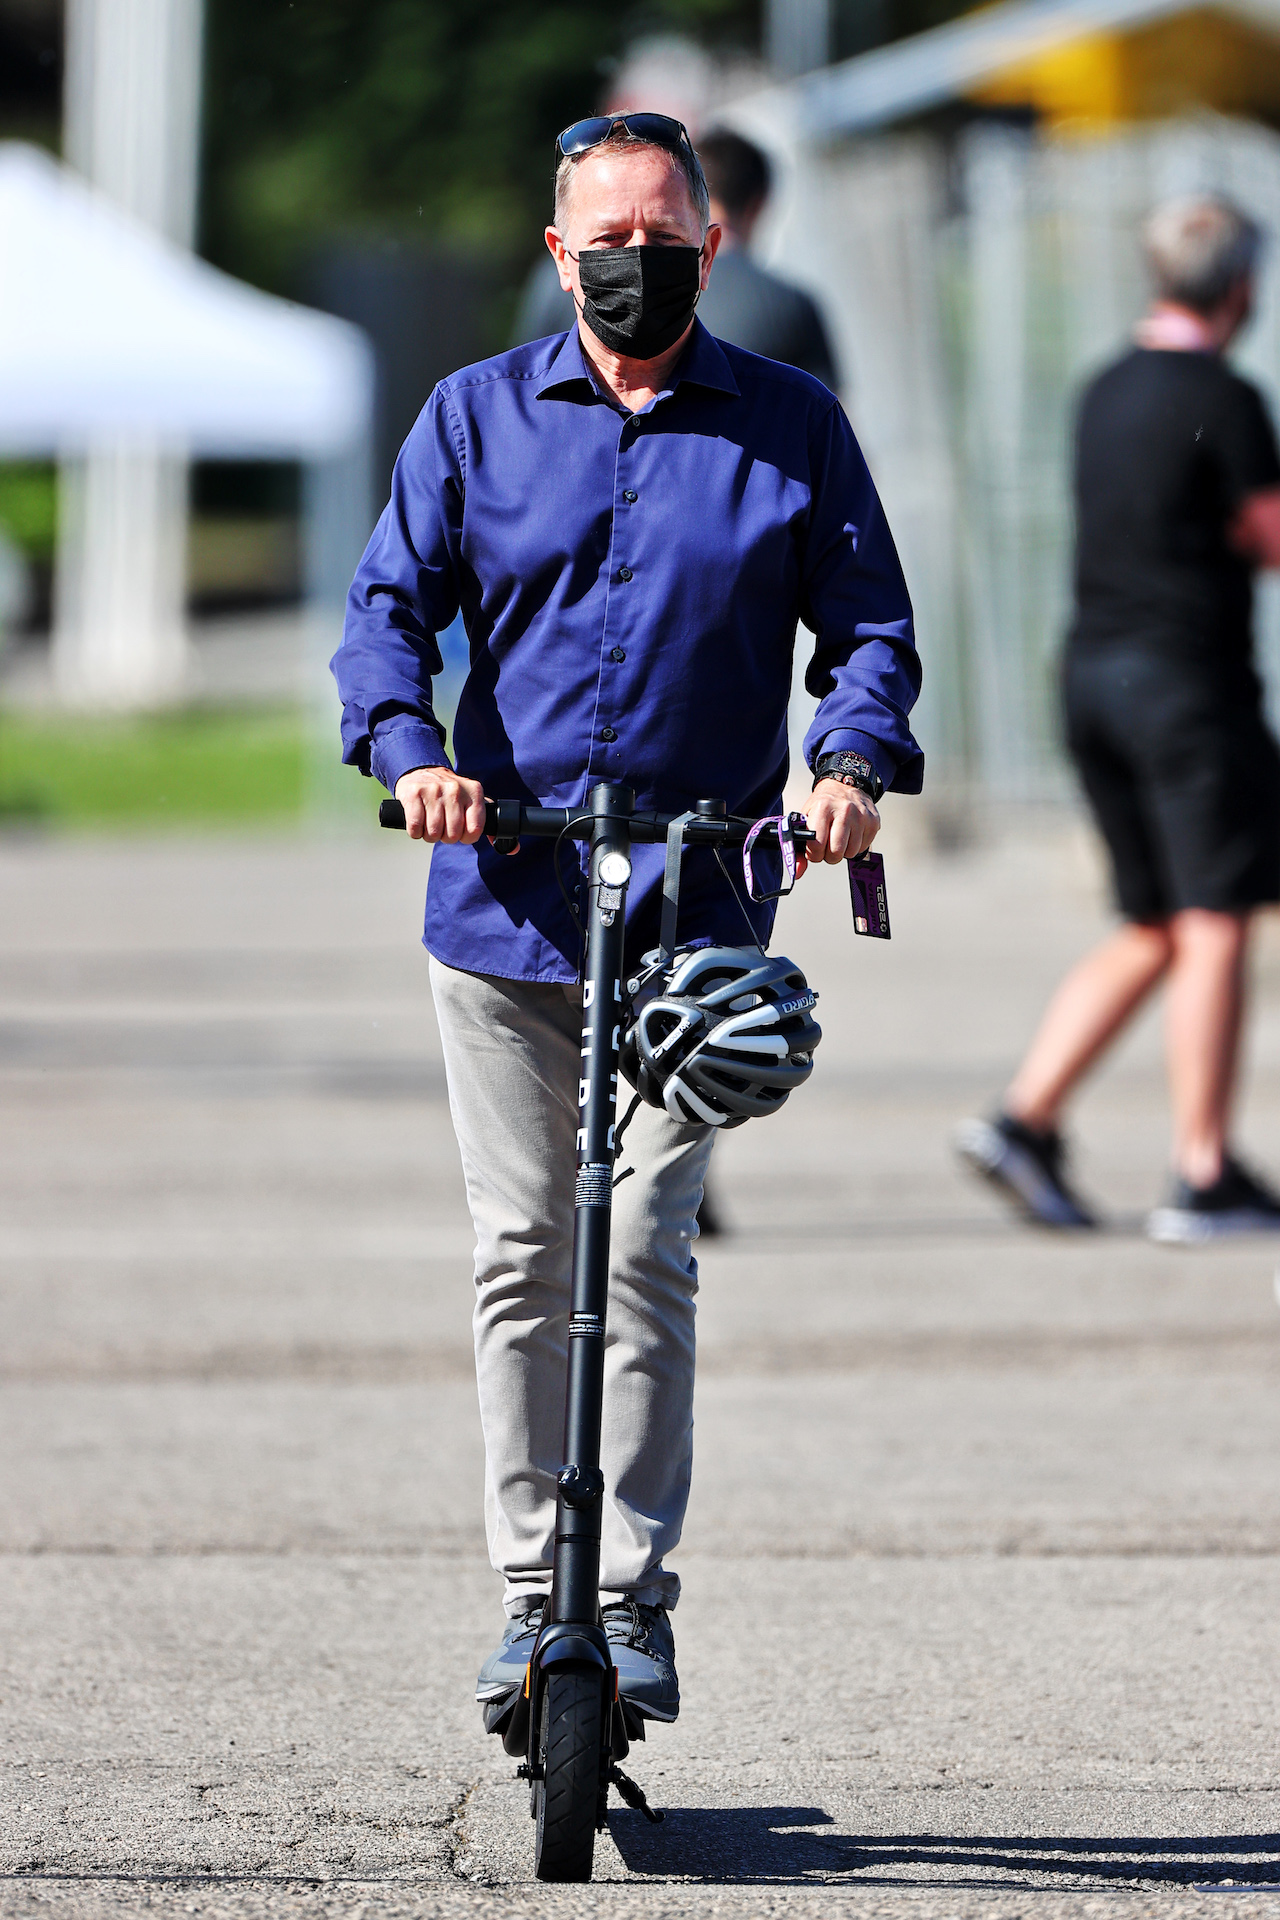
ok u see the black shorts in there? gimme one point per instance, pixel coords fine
(1183, 776)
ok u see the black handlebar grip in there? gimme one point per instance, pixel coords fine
(391, 814)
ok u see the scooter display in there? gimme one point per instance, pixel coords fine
(568, 1721)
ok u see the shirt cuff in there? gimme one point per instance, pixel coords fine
(845, 740)
(400, 749)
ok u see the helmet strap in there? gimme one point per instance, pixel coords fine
(738, 901)
(618, 1132)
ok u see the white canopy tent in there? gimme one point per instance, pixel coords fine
(112, 337)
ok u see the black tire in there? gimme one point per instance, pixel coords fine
(567, 1798)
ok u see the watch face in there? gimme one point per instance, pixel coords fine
(615, 869)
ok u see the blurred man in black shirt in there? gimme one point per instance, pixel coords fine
(744, 303)
(1177, 485)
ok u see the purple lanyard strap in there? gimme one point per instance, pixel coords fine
(786, 824)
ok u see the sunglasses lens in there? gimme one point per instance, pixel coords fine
(584, 134)
(655, 126)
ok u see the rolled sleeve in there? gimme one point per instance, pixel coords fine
(864, 669)
(406, 590)
(398, 750)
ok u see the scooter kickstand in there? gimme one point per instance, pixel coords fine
(634, 1795)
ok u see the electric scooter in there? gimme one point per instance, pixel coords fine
(568, 1721)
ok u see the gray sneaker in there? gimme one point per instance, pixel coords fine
(644, 1652)
(504, 1670)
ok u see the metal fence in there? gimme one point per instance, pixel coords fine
(973, 285)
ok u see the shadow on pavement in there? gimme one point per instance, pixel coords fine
(739, 1844)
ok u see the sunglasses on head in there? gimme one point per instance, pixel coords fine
(658, 128)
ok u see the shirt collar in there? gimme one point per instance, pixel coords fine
(703, 363)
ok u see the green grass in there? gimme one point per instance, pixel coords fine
(29, 506)
(194, 767)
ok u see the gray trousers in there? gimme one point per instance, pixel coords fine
(512, 1054)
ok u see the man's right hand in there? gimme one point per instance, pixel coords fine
(440, 804)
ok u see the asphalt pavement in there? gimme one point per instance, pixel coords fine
(982, 1566)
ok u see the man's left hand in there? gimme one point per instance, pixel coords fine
(844, 819)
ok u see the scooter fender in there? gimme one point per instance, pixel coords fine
(513, 1718)
(562, 1643)
(565, 1641)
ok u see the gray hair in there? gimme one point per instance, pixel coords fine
(1199, 248)
(683, 158)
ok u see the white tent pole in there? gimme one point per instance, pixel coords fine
(131, 112)
(338, 517)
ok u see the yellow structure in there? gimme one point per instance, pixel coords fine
(1201, 58)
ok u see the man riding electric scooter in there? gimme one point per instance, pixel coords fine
(632, 518)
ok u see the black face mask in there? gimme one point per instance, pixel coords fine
(639, 300)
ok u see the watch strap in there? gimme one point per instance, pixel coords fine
(853, 769)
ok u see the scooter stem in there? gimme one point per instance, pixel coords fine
(575, 1581)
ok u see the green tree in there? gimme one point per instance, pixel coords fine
(407, 116)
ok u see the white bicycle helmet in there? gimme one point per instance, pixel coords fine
(720, 1035)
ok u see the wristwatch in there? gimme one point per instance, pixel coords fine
(852, 770)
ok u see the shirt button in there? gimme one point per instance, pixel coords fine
(617, 654)
(624, 573)
(630, 495)
(607, 733)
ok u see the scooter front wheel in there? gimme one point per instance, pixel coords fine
(571, 1757)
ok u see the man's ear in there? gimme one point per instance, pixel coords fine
(560, 256)
(709, 248)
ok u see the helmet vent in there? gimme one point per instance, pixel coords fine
(719, 1034)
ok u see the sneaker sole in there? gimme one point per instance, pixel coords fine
(497, 1690)
(648, 1712)
(489, 1696)
(985, 1150)
(1179, 1227)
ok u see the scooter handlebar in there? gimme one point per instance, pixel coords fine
(512, 820)
(504, 818)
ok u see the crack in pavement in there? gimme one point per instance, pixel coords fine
(455, 1833)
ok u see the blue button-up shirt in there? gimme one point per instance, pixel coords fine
(630, 585)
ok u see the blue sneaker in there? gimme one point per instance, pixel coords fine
(644, 1652)
(504, 1670)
